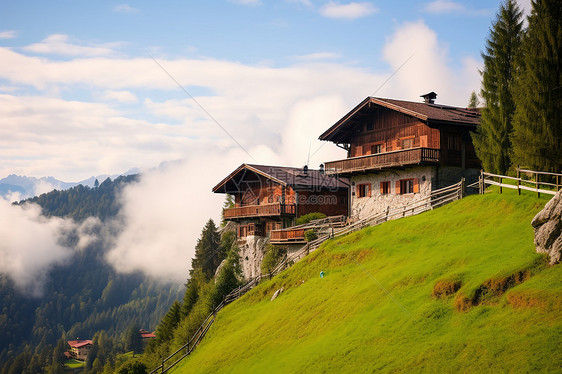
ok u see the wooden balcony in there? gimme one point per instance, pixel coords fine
(266, 210)
(412, 156)
(287, 236)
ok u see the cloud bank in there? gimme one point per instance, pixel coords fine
(31, 244)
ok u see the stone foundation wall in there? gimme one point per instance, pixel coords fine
(362, 207)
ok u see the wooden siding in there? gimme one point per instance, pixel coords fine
(388, 129)
(413, 156)
(331, 203)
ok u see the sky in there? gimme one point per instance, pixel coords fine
(189, 90)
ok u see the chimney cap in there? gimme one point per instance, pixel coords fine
(429, 98)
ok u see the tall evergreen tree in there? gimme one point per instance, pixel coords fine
(133, 339)
(208, 251)
(492, 141)
(537, 136)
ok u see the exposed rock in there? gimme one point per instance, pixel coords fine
(277, 293)
(219, 268)
(251, 255)
(548, 229)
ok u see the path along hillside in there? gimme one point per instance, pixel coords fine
(456, 289)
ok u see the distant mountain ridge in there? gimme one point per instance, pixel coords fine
(27, 187)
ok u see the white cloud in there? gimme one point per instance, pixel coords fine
(306, 3)
(444, 6)
(247, 2)
(525, 6)
(348, 11)
(120, 96)
(319, 56)
(8, 34)
(30, 244)
(447, 6)
(125, 8)
(427, 70)
(59, 44)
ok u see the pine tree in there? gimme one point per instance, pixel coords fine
(473, 102)
(537, 136)
(133, 339)
(208, 253)
(492, 141)
(165, 330)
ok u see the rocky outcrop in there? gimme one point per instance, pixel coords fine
(251, 255)
(548, 229)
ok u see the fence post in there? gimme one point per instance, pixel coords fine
(463, 187)
(518, 180)
(537, 184)
(481, 182)
(501, 184)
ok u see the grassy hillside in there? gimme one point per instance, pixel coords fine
(458, 289)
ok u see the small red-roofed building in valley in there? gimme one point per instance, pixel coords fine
(146, 335)
(80, 348)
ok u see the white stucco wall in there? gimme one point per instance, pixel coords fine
(362, 207)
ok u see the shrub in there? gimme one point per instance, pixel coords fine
(273, 255)
(310, 217)
(310, 235)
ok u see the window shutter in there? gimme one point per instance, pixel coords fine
(382, 189)
(416, 185)
(358, 150)
(398, 187)
(369, 193)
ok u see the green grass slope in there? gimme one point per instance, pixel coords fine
(457, 289)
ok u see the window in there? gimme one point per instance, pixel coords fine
(370, 126)
(364, 190)
(385, 188)
(406, 186)
(377, 148)
(407, 143)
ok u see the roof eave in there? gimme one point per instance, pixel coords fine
(328, 135)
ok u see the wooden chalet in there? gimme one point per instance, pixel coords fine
(400, 150)
(272, 197)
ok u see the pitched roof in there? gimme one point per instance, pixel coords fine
(78, 343)
(432, 114)
(283, 175)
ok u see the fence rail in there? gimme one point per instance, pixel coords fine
(437, 198)
(534, 184)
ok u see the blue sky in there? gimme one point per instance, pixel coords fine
(86, 89)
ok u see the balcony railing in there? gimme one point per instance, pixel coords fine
(412, 156)
(267, 210)
(287, 236)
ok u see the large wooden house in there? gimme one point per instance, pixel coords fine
(399, 151)
(271, 197)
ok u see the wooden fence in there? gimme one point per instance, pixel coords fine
(519, 183)
(437, 198)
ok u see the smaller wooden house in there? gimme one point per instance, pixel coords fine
(272, 197)
(79, 349)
